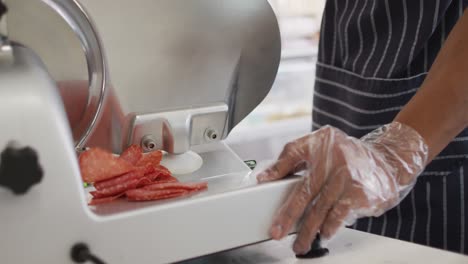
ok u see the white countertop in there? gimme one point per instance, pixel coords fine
(348, 247)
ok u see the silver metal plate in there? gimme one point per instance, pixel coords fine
(163, 55)
(28, 22)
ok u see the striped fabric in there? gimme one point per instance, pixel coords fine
(433, 214)
(373, 57)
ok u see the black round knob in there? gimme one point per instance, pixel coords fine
(80, 253)
(19, 169)
(316, 250)
(3, 9)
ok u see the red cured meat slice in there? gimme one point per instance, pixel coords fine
(138, 173)
(138, 176)
(193, 192)
(97, 165)
(166, 180)
(176, 185)
(152, 158)
(161, 197)
(148, 195)
(163, 179)
(165, 175)
(109, 199)
(160, 167)
(116, 180)
(142, 182)
(121, 187)
(153, 176)
(149, 169)
(132, 154)
(128, 185)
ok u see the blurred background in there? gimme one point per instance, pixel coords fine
(286, 113)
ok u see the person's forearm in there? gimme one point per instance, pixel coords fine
(439, 111)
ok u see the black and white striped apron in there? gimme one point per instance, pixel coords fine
(373, 57)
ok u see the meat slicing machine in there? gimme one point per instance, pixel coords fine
(175, 75)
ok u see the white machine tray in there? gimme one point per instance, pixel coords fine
(233, 211)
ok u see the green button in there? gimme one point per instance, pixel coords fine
(251, 163)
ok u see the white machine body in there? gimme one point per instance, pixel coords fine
(43, 224)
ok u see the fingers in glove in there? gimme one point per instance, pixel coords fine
(294, 157)
(289, 160)
(314, 219)
(304, 193)
(335, 218)
(291, 210)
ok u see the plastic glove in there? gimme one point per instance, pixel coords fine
(345, 178)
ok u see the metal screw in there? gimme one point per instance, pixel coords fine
(148, 143)
(211, 134)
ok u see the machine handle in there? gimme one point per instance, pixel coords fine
(80, 22)
(80, 253)
(316, 249)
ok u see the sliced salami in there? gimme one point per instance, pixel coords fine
(153, 158)
(166, 180)
(132, 154)
(176, 185)
(165, 173)
(109, 199)
(98, 165)
(162, 168)
(160, 197)
(138, 173)
(148, 195)
(153, 176)
(121, 187)
(138, 176)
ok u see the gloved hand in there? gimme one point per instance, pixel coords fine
(345, 178)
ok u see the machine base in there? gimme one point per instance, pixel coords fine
(234, 211)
